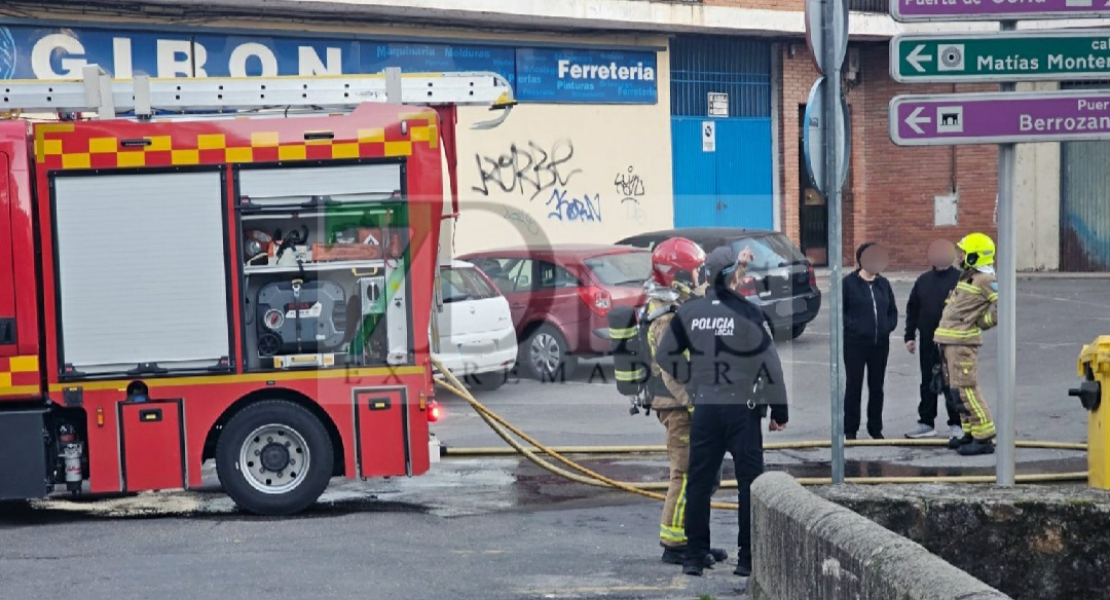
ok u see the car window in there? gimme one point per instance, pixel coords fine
(519, 273)
(769, 251)
(464, 283)
(630, 268)
(508, 274)
(554, 276)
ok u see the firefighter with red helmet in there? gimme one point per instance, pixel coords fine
(676, 276)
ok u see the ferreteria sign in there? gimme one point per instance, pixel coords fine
(905, 11)
(998, 118)
(1012, 56)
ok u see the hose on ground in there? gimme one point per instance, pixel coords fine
(506, 430)
(611, 450)
(499, 425)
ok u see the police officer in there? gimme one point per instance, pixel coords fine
(734, 374)
(676, 277)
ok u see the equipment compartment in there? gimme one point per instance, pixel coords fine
(324, 260)
(152, 445)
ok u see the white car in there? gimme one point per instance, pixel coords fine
(477, 339)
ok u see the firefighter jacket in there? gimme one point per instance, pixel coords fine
(668, 391)
(971, 308)
(731, 355)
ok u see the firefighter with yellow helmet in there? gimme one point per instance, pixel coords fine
(970, 309)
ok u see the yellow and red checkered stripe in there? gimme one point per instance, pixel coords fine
(19, 375)
(57, 148)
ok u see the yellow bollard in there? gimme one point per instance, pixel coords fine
(1094, 394)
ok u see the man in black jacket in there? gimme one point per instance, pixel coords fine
(923, 312)
(735, 373)
(870, 316)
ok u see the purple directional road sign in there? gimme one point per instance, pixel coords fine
(995, 10)
(997, 118)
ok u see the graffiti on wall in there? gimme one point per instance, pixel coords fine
(631, 187)
(629, 184)
(574, 209)
(523, 219)
(528, 169)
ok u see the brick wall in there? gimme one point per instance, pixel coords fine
(892, 188)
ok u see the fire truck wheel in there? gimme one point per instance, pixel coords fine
(274, 458)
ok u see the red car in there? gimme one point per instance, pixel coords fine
(560, 295)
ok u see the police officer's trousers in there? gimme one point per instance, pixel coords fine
(721, 426)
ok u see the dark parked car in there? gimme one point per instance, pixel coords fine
(560, 295)
(781, 281)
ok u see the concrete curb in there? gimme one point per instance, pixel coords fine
(807, 547)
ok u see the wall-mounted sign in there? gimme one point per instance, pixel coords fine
(550, 75)
(718, 104)
(708, 136)
(537, 74)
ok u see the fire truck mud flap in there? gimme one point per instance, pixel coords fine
(22, 455)
(274, 458)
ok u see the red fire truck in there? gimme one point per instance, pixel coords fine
(254, 286)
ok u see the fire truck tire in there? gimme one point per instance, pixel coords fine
(274, 458)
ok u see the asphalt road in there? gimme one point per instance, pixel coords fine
(500, 528)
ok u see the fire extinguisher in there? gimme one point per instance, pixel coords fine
(71, 452)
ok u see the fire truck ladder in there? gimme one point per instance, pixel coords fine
(143, 96)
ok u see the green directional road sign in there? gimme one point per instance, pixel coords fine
(1013, 56)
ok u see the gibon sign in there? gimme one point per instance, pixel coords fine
(538, 74)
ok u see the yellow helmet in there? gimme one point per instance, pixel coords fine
(978, 250)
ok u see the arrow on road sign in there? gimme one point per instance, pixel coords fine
(914, 120)
(915, 58)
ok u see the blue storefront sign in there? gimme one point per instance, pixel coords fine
(537, 74)
(550, 75)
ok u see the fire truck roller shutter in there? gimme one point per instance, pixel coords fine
(338, 183)
(142, 273)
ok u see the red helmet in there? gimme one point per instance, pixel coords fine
(674, 256)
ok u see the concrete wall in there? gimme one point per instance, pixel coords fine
(806, 548)
(1033, 542)
(566, 173)
(1037, 198)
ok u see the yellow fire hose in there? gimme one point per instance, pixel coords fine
(589, 477)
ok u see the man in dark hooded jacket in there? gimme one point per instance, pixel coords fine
(735, 373)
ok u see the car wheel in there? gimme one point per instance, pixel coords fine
(274, 458)
(797, 331)
(546, 355)
(487, 382)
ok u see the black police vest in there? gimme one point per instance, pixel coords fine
(731, 349)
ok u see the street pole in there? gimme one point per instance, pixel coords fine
(1006, 269)
(835, 253)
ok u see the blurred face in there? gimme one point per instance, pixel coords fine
(942, 254)
(874, 259)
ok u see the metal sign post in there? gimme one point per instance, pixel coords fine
(826, 144)
(1006, 272)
